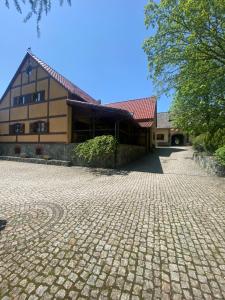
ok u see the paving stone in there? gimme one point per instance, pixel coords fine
(79, 233)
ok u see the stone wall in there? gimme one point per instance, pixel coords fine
(209, 163)
(128, 153)
(63, 152)
(123, 155)
(53, 150)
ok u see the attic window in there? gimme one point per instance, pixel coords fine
(29, 70)
(29, 98)
(39, 96)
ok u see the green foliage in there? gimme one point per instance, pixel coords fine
(199, 142)
(217, 140)
(187, 54)
(209, 142)
(220, 155)
(36, 8)
(97, 148)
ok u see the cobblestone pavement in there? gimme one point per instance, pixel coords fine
(75, 233)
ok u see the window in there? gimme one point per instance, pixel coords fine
(22, 100)
(39, 97)
(29, 98)
(39, 127)
(160, 137)
(17, 128)
(16, 101)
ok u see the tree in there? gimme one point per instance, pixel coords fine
(36, 8)
(187, 53)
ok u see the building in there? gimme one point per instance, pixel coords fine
(166, 134)
(42, 111)
(144, 112)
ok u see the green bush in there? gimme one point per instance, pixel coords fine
(220, 155)
(95, 149)
(209, 142)
(218, 139)
(199, 142)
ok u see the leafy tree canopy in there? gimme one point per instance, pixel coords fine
(36, 8)
(187, 53)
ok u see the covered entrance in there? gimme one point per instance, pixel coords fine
(177, 140)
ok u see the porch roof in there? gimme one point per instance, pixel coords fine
(102, 111)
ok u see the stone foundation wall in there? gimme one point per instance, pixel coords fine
(128, 153)
(63, 152)
(53, 150)
(209, 163)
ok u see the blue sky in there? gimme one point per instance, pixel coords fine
(96, 44)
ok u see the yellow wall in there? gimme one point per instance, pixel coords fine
(5, 101)
(27, 89)
(41, 73)
(17, 80)
(26, 114)
(38, 110)
(7, 139)
(56, 90)
(43, 86)
(14, 93)
(57, 138)
(58, 124)
(69, 123)
(4, 115)
(18, 113)
(4, 128)
(166, 135)
(24, 78)
(58, 107)
(27, 138)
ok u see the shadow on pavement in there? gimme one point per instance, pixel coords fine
(149, 163)
(2, 224)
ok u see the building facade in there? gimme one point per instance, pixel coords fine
(41, 107)
(166, 134)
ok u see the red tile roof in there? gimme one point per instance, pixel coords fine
(145, 124)
(142, 109)
(68, 85)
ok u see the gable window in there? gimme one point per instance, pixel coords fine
(39, 97)
(29, 98)
(16, 101)
(160, 137)
(22, 100)
(39, 127)
(18, 128)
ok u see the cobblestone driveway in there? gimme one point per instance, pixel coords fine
(72, 233)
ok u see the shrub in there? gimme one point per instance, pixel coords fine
(95, 149)
(218, 139)
(209, 142)
(220, 155)
(199, 142)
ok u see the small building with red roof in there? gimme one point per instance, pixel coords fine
(41, 107)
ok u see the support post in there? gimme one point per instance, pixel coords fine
(93, 126)
(116, 133)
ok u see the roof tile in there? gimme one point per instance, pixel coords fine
(68, 85)
(142, 109)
